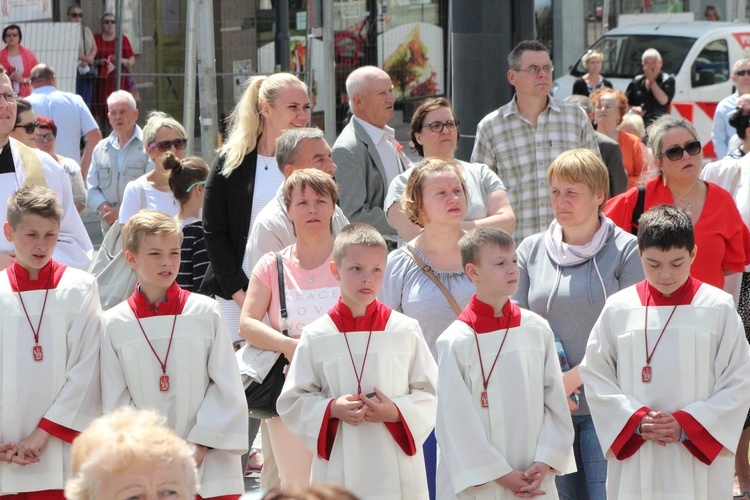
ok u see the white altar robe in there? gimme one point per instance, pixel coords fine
(63, 388)
(701, 367)
(365, 459)
(205, 403)
(528, 419)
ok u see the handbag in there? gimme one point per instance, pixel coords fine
(115, 277)
(261, 396)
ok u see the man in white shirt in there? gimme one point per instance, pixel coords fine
(70, 113)
(722, 132)
(366, 150)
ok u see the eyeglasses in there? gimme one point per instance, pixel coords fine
(44, 137)
(10, 97)
(164, 146)
(13, 34)
(108, 21)
(76, 14)
(28, 127)
(535, 70)
(199, 183)
(438, 127)
(675, 152)
(742, 72)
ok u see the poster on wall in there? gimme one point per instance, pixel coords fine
(131, 21)
(14, 11)
(413, 55)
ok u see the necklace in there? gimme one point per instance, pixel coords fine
(164, 379)
(358, 375)
(36, 351)
(646, 373)
(267, 162)
(484, 400)
(695, 190)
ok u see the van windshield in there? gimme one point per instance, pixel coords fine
(622, 54)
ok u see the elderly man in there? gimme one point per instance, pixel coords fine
(272, 230)
(20, 165)
(649, 94)
(70, 113)
(366, 150)
(520, 139)
(118, 159)
(722, 132)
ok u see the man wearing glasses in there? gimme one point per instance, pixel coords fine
(722, 132)
(70, 113)
(366, 150)
(649, 94)
(21, 165)
(520, 140)
(118, 159)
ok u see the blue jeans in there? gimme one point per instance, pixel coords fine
(589, 483)
(429, 448)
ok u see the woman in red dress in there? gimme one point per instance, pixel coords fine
(105, 60)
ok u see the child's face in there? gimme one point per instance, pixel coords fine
(157, 261)
(496, 271)
(361, 273)
(34, 240)
(667, 270)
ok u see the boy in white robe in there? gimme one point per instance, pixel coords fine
(49, 351)
(503, 424)
(168, 349)
(360, 392)
(668, 403)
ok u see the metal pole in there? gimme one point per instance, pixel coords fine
(118, 44)
(329, 70)
(207, 80)
(281, 39)
(188, 108)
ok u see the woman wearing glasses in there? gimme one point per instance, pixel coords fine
(17, 60)
(434, 134)
(161, 135)
(721, 236)
(86, 74)
(105, 58)
(46, 140)
(26, 124)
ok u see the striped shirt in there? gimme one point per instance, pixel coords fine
(193, 258)
(521, 153)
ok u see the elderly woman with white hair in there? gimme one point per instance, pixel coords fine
(131, 454)
(161, 134)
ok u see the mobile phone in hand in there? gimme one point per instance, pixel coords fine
(370, 395)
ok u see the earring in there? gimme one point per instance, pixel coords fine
(664, 178)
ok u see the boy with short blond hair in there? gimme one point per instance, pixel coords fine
(667, 374)
(50, 341)
(360, 392)
(168, 349)
(503, 425)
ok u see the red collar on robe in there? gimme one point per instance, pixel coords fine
(375, 318)
(173, 303)
(22, 283)
(481, 316)
(684, 295)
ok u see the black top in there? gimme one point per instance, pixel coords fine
(193, 257)
(639, 96)
(6, 160)
(227, 207)
(580, 87)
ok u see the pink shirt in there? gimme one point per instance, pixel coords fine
(309, 293)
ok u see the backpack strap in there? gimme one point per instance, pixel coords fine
(638, 211)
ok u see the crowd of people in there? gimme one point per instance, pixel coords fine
(484, 328)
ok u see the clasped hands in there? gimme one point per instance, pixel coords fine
(27, 451)
(525, 484)
(661, 428)
(357, 408)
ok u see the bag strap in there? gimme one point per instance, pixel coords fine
(638, 211)
(431, 274)
(32, 167)
(282, 295)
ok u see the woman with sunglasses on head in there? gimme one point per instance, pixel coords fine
(161, 135)
(721, 236)
(434, 134)
(46, 140)
(17, 60)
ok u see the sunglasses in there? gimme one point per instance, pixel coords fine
(28, 127)
(742, 72)
(76, 14)
(675, 152)
(164, 146)
(108, 21)
(199, 183)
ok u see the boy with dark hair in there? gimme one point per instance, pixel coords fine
(667, 373)
(168, 349)
(367, 442)
(503, 424)
(50, 340)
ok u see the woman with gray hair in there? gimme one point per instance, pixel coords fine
(721, 236)
(161, 134)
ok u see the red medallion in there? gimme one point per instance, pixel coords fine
(484, 400)
(37, 353)
(164, 383)
(646, 374)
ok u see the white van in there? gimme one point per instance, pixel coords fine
(700, 55)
